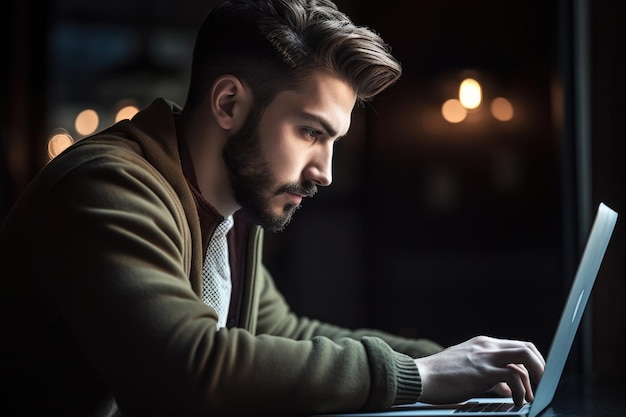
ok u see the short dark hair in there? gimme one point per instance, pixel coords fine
(272, 45)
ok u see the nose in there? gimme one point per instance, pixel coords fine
(320, 168)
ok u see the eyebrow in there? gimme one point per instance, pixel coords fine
(321, 121)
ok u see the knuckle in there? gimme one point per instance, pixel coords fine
(482, 340)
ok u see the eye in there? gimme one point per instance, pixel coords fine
(310, 133)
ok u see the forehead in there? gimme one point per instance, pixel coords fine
(321, 94)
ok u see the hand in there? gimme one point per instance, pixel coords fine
(479, 365)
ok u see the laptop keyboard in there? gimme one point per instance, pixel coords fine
(473, 407)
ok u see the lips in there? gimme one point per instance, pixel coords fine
(297, 197)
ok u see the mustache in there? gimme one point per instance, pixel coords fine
(306, 189)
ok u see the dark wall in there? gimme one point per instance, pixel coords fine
(23, 97)
(608, 39)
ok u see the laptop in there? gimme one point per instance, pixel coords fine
(596, 245)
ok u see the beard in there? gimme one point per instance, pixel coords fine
(252, 179)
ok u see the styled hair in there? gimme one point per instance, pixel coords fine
(272, 45)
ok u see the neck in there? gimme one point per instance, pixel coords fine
(205, 142)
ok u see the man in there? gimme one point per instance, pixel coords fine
(115, 292)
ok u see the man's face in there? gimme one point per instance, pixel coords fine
(284, 157)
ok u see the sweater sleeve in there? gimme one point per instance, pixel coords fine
(275, 317)
(409, 385)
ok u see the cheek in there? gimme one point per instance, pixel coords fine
(285, 158)
(285, 164)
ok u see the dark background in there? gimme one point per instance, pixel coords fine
(430, 229)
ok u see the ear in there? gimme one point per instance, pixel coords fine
(231, 102)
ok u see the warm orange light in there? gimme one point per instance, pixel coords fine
(470, 93)
(126, 112)
(59, 141)
(86, 122)
(453, 111)
(502, 109)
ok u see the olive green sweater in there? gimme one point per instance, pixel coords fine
(101, 275)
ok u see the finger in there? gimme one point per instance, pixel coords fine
(501, 389)
(512, 379)
(513, 375)
(535, 366)
(523, 373)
